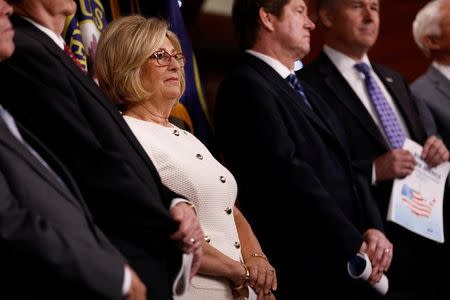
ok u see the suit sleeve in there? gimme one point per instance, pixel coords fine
(424, 112)
(51, 107)
(31, 242)
(252, 130)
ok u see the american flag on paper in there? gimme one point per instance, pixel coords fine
(416, 203)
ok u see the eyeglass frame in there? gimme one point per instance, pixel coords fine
(181, 60)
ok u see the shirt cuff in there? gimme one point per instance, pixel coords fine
(126, 282)
(374, 175)
(175, 201)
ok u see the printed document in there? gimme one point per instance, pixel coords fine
(417, 200)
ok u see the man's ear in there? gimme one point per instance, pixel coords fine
(325, 17)
(431, 42)
(266, 19)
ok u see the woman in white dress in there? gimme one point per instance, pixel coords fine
(139, 64)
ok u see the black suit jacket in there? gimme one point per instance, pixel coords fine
(49, 242)
(366, 144)
(69, 113)
(366, 140)
(281, 153)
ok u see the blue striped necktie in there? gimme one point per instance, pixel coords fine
(389, 122)
(293, 80)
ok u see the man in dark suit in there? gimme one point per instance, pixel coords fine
(431, 33)
(284, 145)
(378, 111)
(49, 240)
(68, 112)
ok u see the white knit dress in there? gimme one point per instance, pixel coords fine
(189, 169)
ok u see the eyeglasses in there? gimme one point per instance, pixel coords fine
(163, 58)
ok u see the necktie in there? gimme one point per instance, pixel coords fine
(11, 124)
(293, 80)
(389, 121)
(74, 59)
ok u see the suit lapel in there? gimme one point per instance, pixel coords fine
(405, 105)
(324, 112)
(440, 81)
(88, 84)
(282, 87)
(9, 141)
(344, 92)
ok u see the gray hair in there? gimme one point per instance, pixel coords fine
(427, 23)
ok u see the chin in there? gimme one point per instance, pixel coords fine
(71, 8)
(172, 95)
(6, 51)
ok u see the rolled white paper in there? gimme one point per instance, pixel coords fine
(251, 294)
(181, 283)
(360, 267)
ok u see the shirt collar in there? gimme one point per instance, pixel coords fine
(342, 61)
(444, 69)
(281, 69)
(52, 35)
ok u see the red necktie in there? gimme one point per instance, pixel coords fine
(73, 57)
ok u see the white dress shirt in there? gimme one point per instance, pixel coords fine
(274, 63)
(355, 79)
(50, 33)
(444, 69)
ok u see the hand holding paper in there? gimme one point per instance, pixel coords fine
(417, 200)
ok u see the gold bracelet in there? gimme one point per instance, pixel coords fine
(192, 205)
(260, 255)
(247, 277)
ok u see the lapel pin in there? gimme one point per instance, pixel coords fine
(389, 79)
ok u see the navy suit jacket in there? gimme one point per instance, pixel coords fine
(47, 92)
(366, 144)
(283, 156)
(49, 242)
(365, 138)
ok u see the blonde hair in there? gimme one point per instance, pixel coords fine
(123, 49)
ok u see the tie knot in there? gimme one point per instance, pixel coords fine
(68, 51)
(293, 79)
(363, 68)
(74, 58)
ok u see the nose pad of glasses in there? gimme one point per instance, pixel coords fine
(174, 63)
